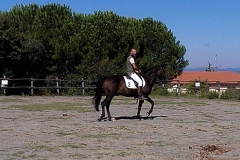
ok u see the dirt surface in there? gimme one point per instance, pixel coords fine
(178, 129)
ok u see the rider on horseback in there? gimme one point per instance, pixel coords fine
(133, 71)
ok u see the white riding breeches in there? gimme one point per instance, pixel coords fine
(137, 79)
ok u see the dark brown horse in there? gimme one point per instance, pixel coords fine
(115, 85)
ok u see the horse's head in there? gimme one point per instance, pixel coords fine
(161, 74)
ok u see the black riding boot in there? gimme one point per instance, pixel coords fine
(140, 94)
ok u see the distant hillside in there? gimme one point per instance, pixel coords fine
(219, 69)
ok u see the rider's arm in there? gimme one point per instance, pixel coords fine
(136, 69)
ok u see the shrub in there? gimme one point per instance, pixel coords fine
(159, 90)
(202, 90)
(211, 95)
(231, 93)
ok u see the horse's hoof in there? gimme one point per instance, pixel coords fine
(100, 118)
(113, 119)
(147, 114)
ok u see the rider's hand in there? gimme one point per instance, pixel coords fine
(138, 71)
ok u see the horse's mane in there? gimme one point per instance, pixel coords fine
(151, 69)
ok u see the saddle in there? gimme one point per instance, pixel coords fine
(131, 83)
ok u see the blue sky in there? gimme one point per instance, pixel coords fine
(209, 29)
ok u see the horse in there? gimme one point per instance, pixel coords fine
(115, 85)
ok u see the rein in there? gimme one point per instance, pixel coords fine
(144, 75)
(149, 76)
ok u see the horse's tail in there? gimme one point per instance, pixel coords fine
(98, 94)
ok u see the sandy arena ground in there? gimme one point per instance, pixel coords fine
(179, 128)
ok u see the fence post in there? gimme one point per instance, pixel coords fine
(57, 84)
(197, 87)
(179, 88)
(219, 89)
(4, 89)
(83, 91)
(31, 86)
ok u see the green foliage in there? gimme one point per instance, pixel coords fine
(231, 93)
(202, 90)
(52, 41)
(210, 95)
(43, 92)
(162, 91)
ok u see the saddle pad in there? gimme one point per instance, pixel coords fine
(130, 83)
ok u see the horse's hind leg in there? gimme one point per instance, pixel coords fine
(151, 109)
(106, 102)
(103, 104)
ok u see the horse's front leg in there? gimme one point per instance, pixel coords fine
(151, 109)
(139, 108)
(108, 101)
(110, 118)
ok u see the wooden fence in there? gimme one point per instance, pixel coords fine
(59, 85)
(56, 84)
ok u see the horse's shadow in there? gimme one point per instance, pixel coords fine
(135, 117)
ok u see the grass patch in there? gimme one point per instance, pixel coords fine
(78, 156)
(101, 135)
(73, 146)
(23, 156)
(160, 143)
(123, 154)
(101, 155)
(123, 128)
(12, 99)
(53, 106)
(45, 148)
(150, 143)
(162, 101)
(61, 133)
(220, 126)
(200, 121)
(121, 100)
(6, 129)
(207, 116)
(180, 102)
(56, 118)
(31, 156)
(19, 154)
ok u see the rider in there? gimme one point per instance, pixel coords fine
(133, 71)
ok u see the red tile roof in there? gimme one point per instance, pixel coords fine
(211, 77)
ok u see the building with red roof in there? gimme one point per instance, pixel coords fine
(223, 77)
(218, 81)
